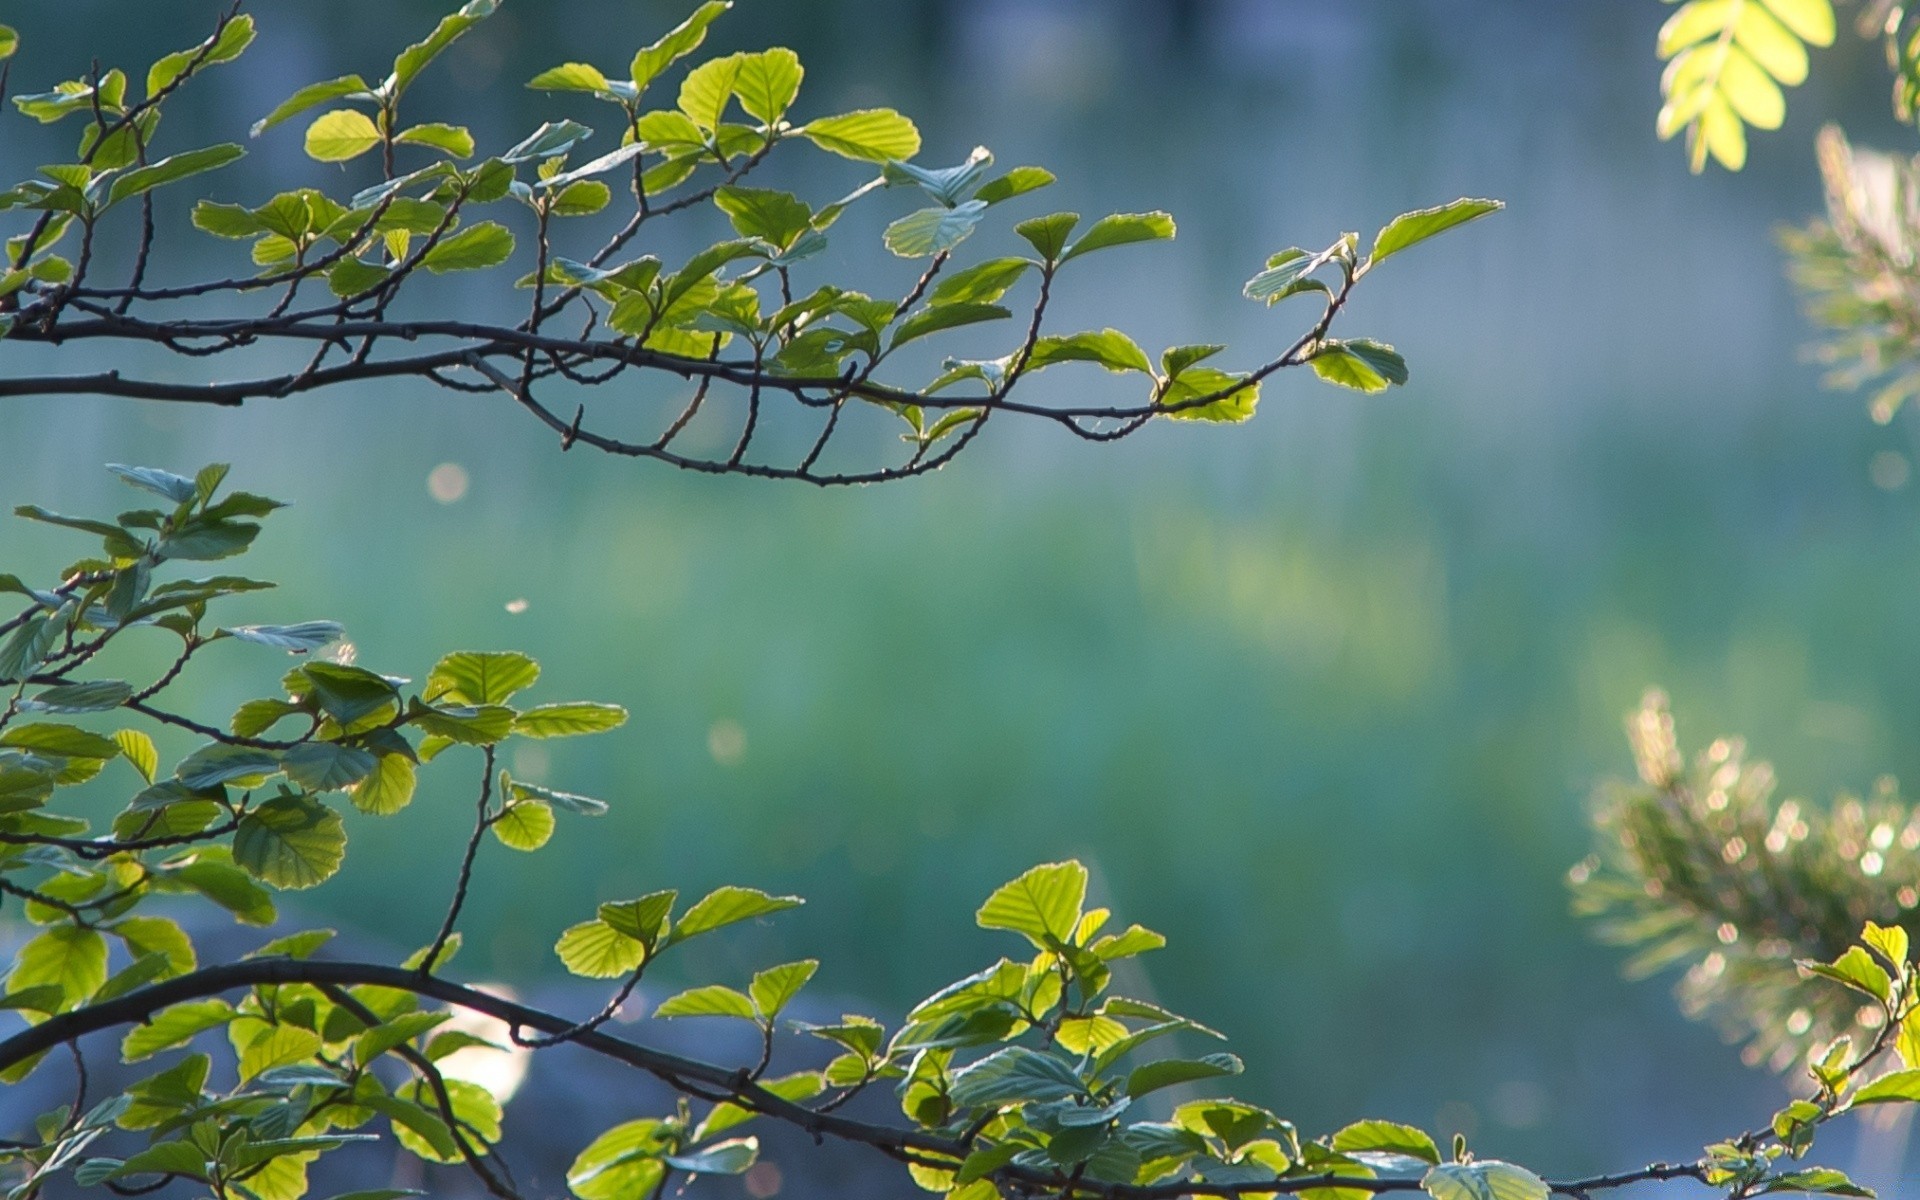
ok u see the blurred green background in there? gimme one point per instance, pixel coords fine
(1319, 697)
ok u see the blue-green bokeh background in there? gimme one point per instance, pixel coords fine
(1320, 697)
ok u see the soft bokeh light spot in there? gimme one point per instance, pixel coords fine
(727, 742)
(501, 1071)
(763, 1180)
(447, 483)
(517, 605)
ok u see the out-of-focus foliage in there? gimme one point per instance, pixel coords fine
(1727, 61)
(1859, 270)
(1704, 867)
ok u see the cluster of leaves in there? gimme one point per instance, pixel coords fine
(1727, 61)
(734, 313)
(1704, 867)
(1029, 1076)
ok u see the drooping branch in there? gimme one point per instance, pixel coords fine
(832, 349)
(734, 1084)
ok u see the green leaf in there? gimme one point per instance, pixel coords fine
(216, 764)
(714, 1000)
(481, 677)
(571, 77)
(773, 216)
(621, 1163)
(774, 988)
(1363, 365)
(341, 135)
(388, 788)
(291, 842)
(597, 950)
(683, 40)
(1409, 229)
(933, 230)
(301, 638)
(455, 140)
(1043, 905)
(216, 878)
(347, 694)
(869, 134)
(1108, 347)
(1048, 235)
(311, 96)
(403, 1028)
(97, 695)
(1490, 1179)
(1387, 1137)
(722, 1158)
(727, 905)
(1810, 20)
(1892, 942)
(1287, 273)
(176, 167)
(326, 766)
(569, 720)
(223, 47)
(982, 283)
(645, 920)
(767, 83)
(936, 318)
(1823, 1180)
(1121, 229)
(584, 806)
(469, 726)
(139, 749)
(174, 1026)
(705, 91)
(414, 59)
(1171, 1072)
(487, 244)
(1857, 970)
(1014, 1075)
(1016, 182)
(157, 935)
(582, 198)
(1893, 1086)
(9, 42)
(524, 825)
(68, 957)
(180, 1157)
(68, 741)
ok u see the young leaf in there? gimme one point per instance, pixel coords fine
(726, 905)
(870, 134)
(476, 677)
(487, 244)
(414, 59)
(569, 720)
(1489, 1179)
(597, 950)
(524, 825)
(930, 231)
(341, 135)
(1120, 229)
(713, 1000)
(1171, 1072)
(1411, 228)
(773, 988)
(1043, 904)
(1387, 1137)
(290, 842)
